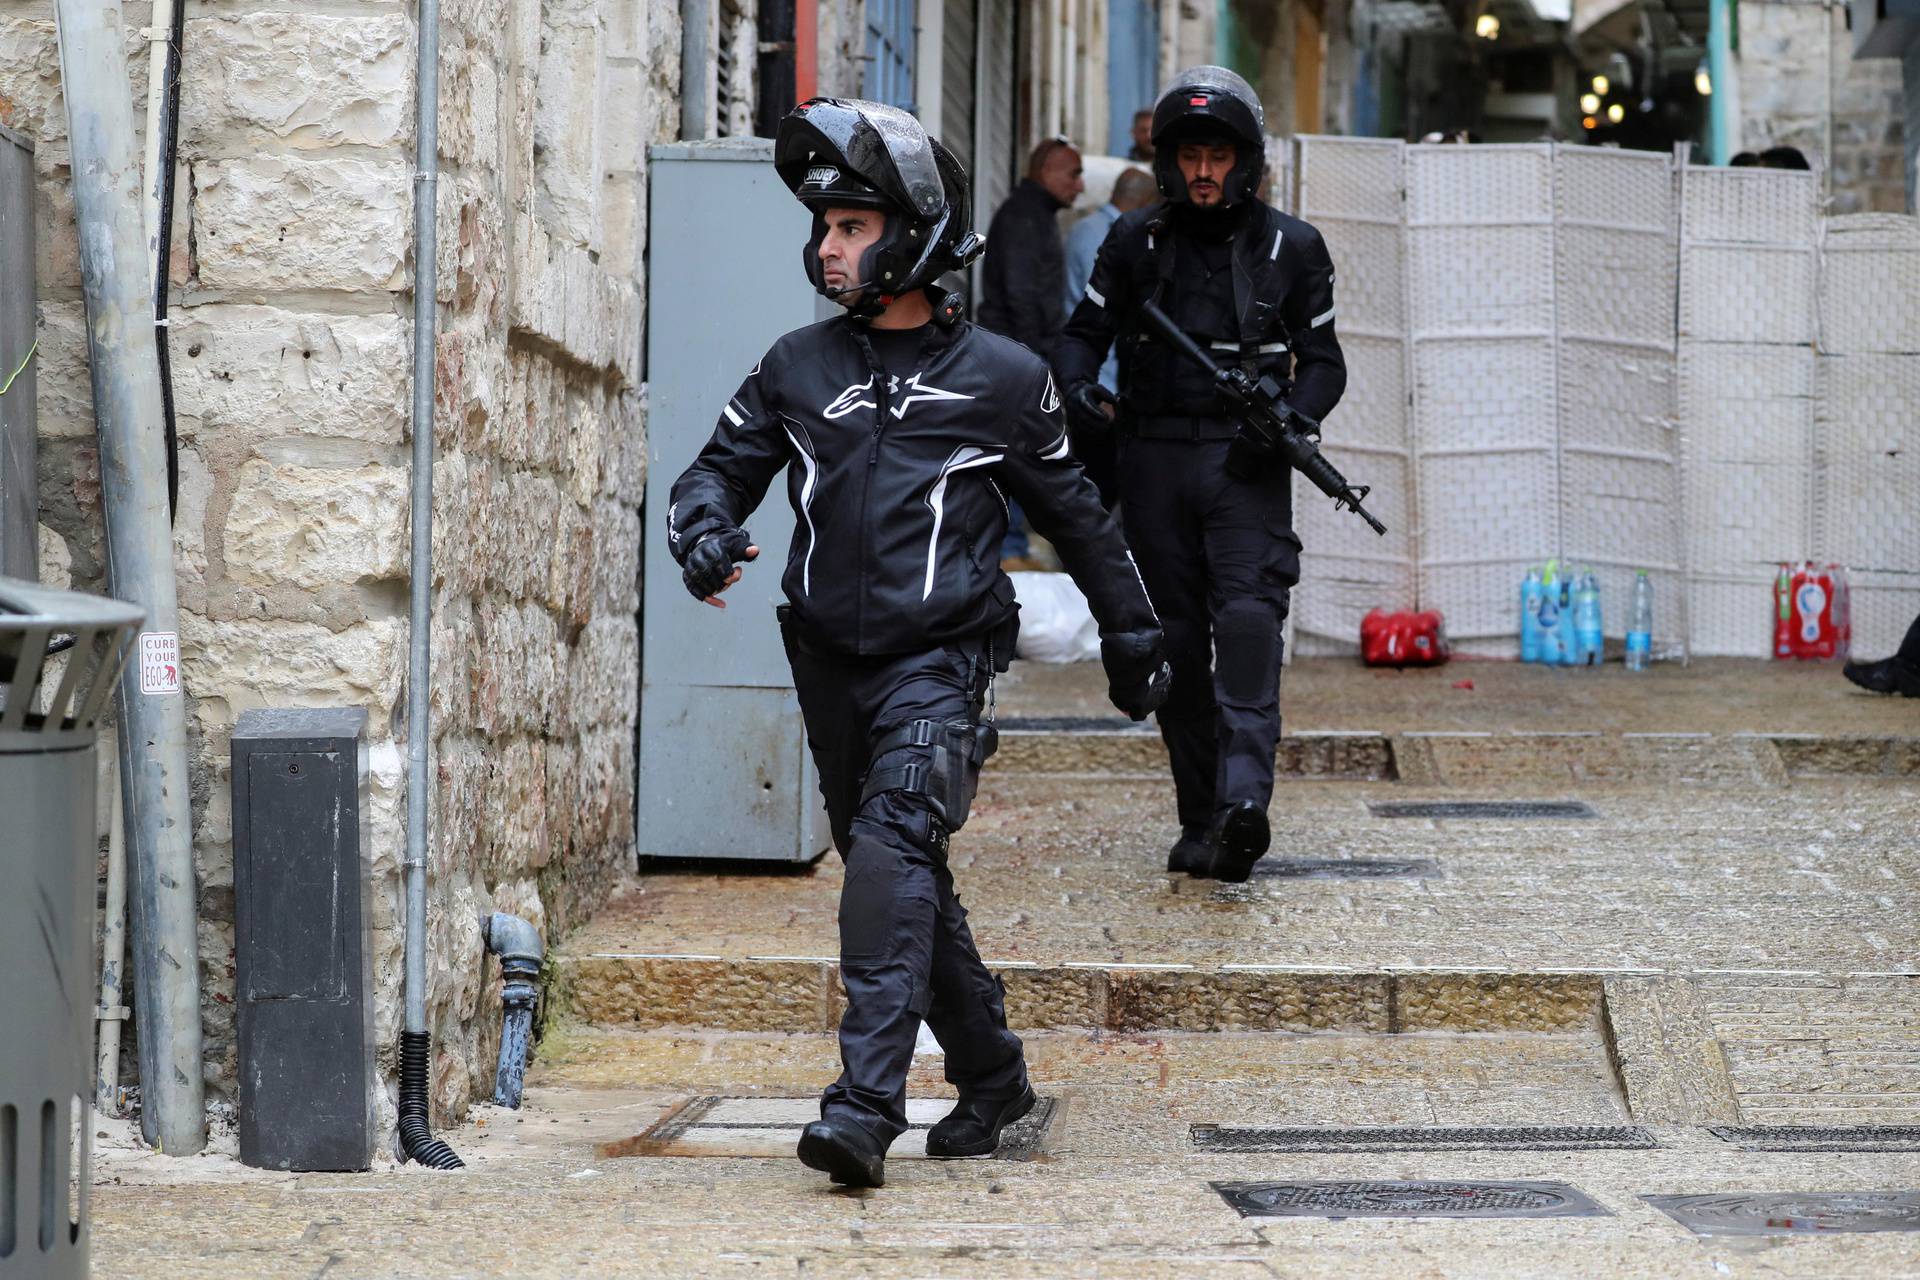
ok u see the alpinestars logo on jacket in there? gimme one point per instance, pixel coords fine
(850, 399)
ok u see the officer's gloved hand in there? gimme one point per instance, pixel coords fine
(1090, 407)
(708, 569)
(1138, 676)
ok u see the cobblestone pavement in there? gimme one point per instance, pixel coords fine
(1730, 939)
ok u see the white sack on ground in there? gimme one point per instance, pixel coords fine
(1055, 623)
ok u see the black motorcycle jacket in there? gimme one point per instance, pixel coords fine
(1280, 322)
(899, 486)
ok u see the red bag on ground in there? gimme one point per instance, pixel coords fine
(1813, 620)
(1403, 639)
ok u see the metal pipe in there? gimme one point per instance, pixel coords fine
(1720, 122)
(416, 1059)
(517, 943)
(153, 719)
(113, 955)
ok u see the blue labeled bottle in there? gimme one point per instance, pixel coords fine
(1552, 633)
(1588, 634)
(1532, 593)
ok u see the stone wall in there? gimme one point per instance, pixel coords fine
(1801, 87)
(291, 354)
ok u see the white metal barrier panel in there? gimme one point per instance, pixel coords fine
(1603, 356)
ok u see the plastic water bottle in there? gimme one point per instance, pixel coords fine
(1552, 633)
(1569, 644)
(1640, 624)
(1532, 593)
(1589, 635)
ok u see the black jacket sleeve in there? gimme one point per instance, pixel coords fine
(1062, 503)
(1095, 322)
(1319, 370)
(1022, 279)
(730, 477)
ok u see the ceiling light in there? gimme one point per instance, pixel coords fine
(1601, 84)
(1616, 113)
(1589, 102)
(1487, 27)
(1703, 82)
(1591, 122)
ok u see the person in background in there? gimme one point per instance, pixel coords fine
(1899, 674)
(1023, 280)
(1133, 189)
(1142, 149)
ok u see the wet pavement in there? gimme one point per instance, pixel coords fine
(1726, 940)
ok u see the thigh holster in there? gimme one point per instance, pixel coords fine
(945, 767)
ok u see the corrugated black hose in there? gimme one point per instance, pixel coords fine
(416, 1135)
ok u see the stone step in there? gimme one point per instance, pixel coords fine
(803, 994)
(1088, 746)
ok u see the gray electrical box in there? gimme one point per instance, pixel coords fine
(303, 969)
(19, 503)
(724, 771)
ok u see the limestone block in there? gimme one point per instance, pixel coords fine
(589, 314)
(1054, 996)
(762, 995)
(625, 477)
(470, 110)
(563, 771)
(280, 222)
(531, 534)
(314, 526)
(1494, 1002)
(261, 372)
(570, 581)
(268, 663)
(512, 667)
(30, 101)
(516, 808)
(616, 561)
(566, 131)
(451, 699)
(1664, 1050)
(63, 389)
(56, 244)
(603, 789)
(605, 679)
(1188, 1000)
(309, 80)
(585, 424)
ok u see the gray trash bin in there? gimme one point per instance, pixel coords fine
(49, 715)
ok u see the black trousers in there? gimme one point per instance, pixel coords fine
(1219, 557)
(906, 953)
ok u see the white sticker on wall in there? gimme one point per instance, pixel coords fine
(159, 662)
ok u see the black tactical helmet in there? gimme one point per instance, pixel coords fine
(841, 152)
(1214, 104)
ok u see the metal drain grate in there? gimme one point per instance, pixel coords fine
(1778, 1213)
(1407, 1200)
(1481, 809)
(769, 1127)
(1347, 868)
(1787, 1137)
(1218, 1138)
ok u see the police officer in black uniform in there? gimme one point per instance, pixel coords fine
(1218, 552)
(903, 430)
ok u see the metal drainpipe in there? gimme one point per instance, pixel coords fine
(133, 470)
(416, 1056)
(1721, 125)
(517, 943)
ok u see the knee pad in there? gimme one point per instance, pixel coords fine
(1246, 639)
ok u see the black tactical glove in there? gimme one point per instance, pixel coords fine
(1090, 407)
(710, 563)
(1138, 676)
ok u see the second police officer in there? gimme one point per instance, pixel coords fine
(1218, 552)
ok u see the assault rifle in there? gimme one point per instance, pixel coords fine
(1269, 427)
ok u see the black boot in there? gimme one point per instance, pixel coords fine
(1889, 675)
(973, 1127)
(1238, 839)
(844, 1151)
(1190, 852)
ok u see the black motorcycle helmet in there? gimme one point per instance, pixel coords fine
(841, 152)
(1210, 104)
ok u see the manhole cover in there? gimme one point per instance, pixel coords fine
(763, 1127)
(1407, 1200)
(1786, 1137)
(1219, 1138)
(1347, 868)
(1771, 1213)
(1071, 724)
(1481, 809)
